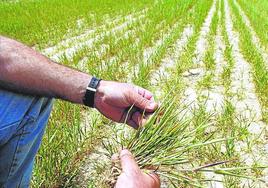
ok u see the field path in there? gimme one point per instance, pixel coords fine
(202, 42)
(150, 51)
(247, 106)
(215, 95)
(169, 61)
(72, 45)
(255, 38)
(192, 76)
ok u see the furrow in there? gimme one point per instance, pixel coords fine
(148, 52)
(247, 106)
(214, 96)
(105, 63)
(242, 82)
(69, 52)
(88, 39)
(214, 99)
(202, 42)
(89, 32)
(210, 93)
(192, 76)
(101, 51)
(168, 62)
(255, 38)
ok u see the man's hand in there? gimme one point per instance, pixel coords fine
(26, 71)
(132, 176)
(114, 100)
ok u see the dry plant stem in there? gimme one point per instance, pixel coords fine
(159, 145)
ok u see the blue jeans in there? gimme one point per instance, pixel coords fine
(22, 123)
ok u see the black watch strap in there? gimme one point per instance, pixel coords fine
(90, 92)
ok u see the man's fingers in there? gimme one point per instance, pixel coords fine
(142, 102)
(139, 118)
(127, 117)
(133, 124)
(145, 93)
(155, 178)
(134, 117)
(111, 112)
(128, 163)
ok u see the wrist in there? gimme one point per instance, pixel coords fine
(100, 92)
(102, 84)
(75, 90)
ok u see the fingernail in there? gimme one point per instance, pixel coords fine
(152, 105)
(124, 152)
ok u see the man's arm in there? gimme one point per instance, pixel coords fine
(24, 70)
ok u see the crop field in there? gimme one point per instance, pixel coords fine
(206, 61)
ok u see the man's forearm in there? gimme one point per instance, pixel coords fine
(26, 71)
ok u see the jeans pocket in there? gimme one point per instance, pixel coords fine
(7, 131)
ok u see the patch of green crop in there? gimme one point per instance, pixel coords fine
(45, 22)
(257, 12)
(253, 56)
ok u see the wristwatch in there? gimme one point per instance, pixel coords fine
(89, 97)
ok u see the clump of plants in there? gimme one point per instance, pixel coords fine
(167, 145)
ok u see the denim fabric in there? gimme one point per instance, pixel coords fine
(22, 123)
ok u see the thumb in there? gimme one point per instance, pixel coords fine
(143, 103)
(128, 162)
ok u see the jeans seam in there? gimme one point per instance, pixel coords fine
(9, 124)
(16, 152)
(20, 181)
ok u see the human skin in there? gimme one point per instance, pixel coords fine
(24, 70)
(132, 176)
